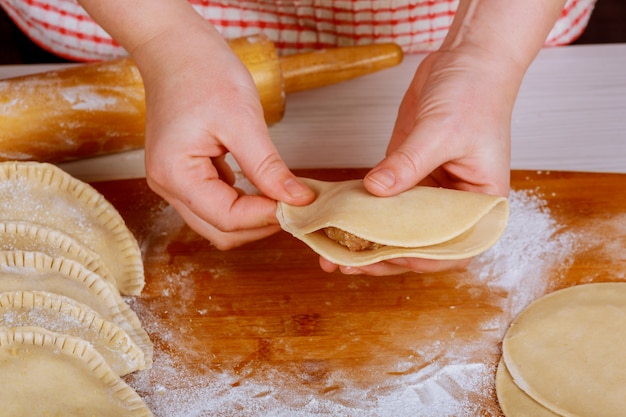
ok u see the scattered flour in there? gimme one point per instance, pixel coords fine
(87, 98)
(533, 247)
(451, 383)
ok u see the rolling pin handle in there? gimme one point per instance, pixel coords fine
(329, 66)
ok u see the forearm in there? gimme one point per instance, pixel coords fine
(503, 30)
(133, 24)
(155, 33)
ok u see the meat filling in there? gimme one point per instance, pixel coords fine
(352, 242)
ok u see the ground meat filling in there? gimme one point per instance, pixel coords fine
(352, 242)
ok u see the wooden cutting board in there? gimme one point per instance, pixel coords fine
(261, 330)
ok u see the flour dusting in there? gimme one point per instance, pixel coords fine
(532, 247)
(452, 376)
(86, 98)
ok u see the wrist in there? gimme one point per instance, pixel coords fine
(171, 50)
(509, 33)
(490, 73)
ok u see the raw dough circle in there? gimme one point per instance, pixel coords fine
(566, 350)
(513, 401)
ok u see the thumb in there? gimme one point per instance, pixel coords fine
(264, 167)
(406, 165)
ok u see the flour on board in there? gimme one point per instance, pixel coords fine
(457, 380)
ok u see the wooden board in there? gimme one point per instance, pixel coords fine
(261, 330)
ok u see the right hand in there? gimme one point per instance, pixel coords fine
(201, 103)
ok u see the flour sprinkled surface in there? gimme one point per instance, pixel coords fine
(434, 357)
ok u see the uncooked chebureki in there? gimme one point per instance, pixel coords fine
(30, 237)
(49, 374)
(65, 315)
(62, 202)
(566, 350)
(35, 271)
(66, 333)
(423, 222)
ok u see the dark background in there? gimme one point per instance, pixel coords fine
(607, 25)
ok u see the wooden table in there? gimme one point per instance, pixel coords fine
(262, 331)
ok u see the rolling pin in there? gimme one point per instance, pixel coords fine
(95, 109)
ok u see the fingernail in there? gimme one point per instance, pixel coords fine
(295, 188)
(384, 178)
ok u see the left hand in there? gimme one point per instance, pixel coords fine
(453, 131)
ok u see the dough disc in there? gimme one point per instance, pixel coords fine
(566, 350)
(513, 401)
(423, 222)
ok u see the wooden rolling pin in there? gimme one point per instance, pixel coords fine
(96, 109)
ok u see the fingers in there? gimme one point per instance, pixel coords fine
(398, 266)
(224, 170)
(452, 130)
(223, 240)
(222, 214)
(247, 138)
(409, 163)
(221, 205)
(264, 167)
(199, 108)
(185, 163)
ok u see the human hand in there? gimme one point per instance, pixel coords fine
(453, 131)
(202, 103)
(452, 128)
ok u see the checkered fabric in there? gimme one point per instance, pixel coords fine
(63, 27)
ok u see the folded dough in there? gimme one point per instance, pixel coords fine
(423, 222)
(66, 334)
(35, 271)
(64, 315)
(62, 202)
(49, 374)
(566, 350)
(31, 237)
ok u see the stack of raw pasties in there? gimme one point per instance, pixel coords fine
(66, 334)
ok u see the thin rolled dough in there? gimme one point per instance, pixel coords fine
(566, 350)
(423, 222)
(513, 401)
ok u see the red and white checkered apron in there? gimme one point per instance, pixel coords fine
(63, 27)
